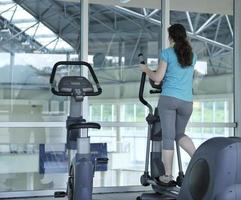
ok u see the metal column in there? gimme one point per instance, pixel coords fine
(84, 47)
(237, 66)
(165, 22)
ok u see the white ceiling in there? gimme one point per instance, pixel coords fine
(202, 6)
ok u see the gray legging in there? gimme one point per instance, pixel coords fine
(174, 115)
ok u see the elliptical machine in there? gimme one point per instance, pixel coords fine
(212, 174)
(154, 143)
(81, 168)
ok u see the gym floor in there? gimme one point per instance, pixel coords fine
(113, 196)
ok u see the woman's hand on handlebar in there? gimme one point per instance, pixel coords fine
(143, 67)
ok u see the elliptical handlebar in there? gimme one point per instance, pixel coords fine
(79, 63)
(142, 86)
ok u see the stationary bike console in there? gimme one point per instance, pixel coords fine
(69, 84)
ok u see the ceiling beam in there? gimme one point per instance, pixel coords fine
(205, 6)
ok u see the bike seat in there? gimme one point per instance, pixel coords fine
(84, 125)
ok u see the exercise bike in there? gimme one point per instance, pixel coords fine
(81, 168)
(212, 174)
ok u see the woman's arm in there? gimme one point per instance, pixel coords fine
(158, 75)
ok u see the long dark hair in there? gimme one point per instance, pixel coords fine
(182, 47)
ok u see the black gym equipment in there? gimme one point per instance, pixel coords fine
(214, 172)
(81, 168)
(154, 143)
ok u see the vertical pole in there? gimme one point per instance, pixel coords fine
(237, 66)
(84, 42)
(84, 31)
(165, 21)
(118, 143)
(12, 60)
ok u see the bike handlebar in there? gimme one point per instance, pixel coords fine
(79, 63)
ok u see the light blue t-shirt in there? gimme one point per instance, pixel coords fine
(177, 81)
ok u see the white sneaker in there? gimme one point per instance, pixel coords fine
(166, 178)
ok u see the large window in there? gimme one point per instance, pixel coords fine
(127, 138)
(32, 120)
(133, 30)
(32, 130)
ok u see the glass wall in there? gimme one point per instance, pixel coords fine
(114, 50)
(32, 120)
(26, 107)
(32, 125)
(115, 47)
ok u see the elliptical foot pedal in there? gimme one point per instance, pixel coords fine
(172, 183)
(59, 194)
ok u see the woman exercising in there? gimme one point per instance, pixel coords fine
(175, 105)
